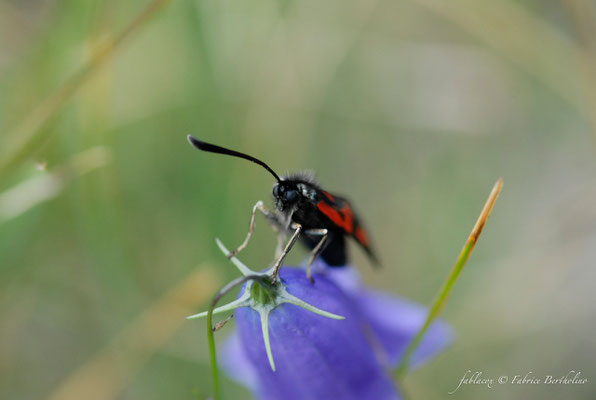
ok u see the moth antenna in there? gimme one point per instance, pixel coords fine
(211, 148)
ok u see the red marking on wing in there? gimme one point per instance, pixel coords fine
(329, 196)
(331, 213)
(343, 218)
(361, 236)
(346, 211)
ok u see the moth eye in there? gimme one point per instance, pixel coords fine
(291, 195)
(276, 190)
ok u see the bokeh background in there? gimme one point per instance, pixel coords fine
(411, 108)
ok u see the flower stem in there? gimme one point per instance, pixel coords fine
(445, 290)
(210, 336)
(213, 356)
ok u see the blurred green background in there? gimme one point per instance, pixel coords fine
(410, 108)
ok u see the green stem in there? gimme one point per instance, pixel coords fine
(212, 355)
(210, 336)
(445, 290)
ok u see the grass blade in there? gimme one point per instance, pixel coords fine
(445, 290)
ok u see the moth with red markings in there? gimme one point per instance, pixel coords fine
(320, 219)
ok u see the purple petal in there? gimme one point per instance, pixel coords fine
(234, 362)
(394, 320)
(316, 357)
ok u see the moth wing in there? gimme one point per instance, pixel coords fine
(339, 211)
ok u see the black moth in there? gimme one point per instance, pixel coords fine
(320, 219)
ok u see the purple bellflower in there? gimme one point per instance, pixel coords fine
(333, 339)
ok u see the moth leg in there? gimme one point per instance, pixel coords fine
(269, 215)
(286, 250)
(317, 250)
(281, 238)
(279, 233)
